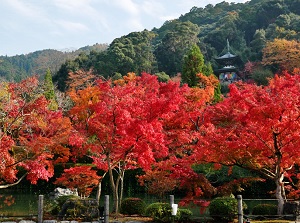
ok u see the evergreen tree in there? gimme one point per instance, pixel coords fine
(207, 69)
(193, 64)
(49, 90)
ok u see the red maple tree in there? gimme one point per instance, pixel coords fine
(32, 137)
(120, 125)
(81, 178)
(182, 129)
(256, 128)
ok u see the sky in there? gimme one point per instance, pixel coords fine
(31, 25)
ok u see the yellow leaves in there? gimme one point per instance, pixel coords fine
(282, 52)
(4, 94)
(3, 89)
(130, 77)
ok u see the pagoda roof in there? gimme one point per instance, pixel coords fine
(228, 55)
(226, 69)
(228, 58)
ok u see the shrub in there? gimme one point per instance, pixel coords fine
(261, 76)
(62, 199)
(265, 209)
(184, 215)
(160, 212)
(72, 206)
(224, 209)
(53, 207)
(133, 206)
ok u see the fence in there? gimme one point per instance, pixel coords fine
(32, 208)
(246, 209)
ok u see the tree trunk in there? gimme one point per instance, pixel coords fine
(116, 192)
(98, 195)
(279, 194)
(113, 187)
(122, 186)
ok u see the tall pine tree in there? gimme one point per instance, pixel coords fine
(49, 90)
(193, 64)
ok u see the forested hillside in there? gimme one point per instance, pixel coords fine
(18, 67)
(248, 27)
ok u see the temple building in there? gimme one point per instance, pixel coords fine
(228, 72)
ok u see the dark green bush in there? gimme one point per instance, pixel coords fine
(160, 212)
(53, 207)
(265, 209)
(184, 215)
(224, 209)
(72, 206)
(62, 199)
(86, 209)
(133, 206)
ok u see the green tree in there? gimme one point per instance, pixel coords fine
(226, 29)
(174, 45)
(258, 43)
(262, 75)
(62, 75)
(49, 91)
(193, 63)
(162, 77)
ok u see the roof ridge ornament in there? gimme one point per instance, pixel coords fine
(228, 47)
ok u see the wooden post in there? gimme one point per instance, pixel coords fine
(171, 200)
(106, 209)
(240, 208)
(40, 208)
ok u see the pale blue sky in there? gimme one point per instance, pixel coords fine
(30, 25)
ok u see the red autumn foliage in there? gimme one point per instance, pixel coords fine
(256, 128)
(32, 136)
(82, 178)
(120, 125)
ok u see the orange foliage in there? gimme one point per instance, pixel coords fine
(206, 88)
(80, 79)
(6, 200)
(282, 52)
(130, 77)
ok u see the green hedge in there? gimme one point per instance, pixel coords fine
(224, 209)
(265, 209)
(132, 205)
